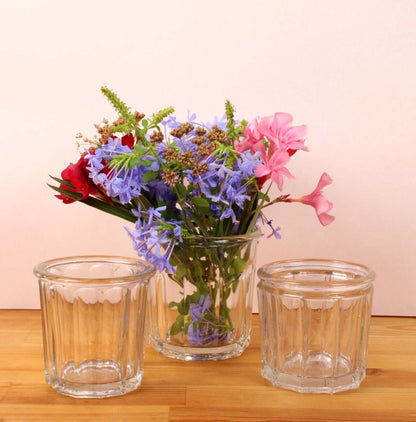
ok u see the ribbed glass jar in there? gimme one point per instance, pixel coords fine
(203, 310)
(93, 314)
(314, 323)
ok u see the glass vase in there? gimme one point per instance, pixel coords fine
(93, 314)
(314, 324)
(203, 310)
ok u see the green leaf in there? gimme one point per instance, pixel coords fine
(236, 269)
(146, 162)
(196, 269)
(201, 204)
(150, 175)
(130, 164)
(203, 289)
(98, 204)
(69, 193)
(263, 196)
(62, 182)
(238, 265)
(177, 326)
(194, 297)
(183, 306)
(182, 191)
(139, 150)
(180, 270)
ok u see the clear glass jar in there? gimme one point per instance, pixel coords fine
(314, 324)
(93, 314)
(203, 310)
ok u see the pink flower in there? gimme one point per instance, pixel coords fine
(253, 139)
(280, 133)
(276, 140)
(274, 167)
(317, 200)
(277, 130)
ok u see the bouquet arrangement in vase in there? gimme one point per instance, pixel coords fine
(197, 195)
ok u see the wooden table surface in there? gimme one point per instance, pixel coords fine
(231, 390)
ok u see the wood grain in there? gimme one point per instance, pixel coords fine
(231, 390)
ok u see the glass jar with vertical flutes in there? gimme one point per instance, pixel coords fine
(314, 321)
(93, 315)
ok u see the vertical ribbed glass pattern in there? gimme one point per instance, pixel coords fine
(220, 269)
(93, 313)
(314, 322)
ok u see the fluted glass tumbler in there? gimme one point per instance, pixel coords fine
(203, 310)
(314, 324)
(93, 315)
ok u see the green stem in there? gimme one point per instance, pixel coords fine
(276, 200)
(258, 210)
(247, 215)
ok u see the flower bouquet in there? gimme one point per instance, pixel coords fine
(197, 194)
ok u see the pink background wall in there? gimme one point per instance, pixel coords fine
(345, 68)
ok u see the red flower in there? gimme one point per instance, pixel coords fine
(128, 140)
(77, 175)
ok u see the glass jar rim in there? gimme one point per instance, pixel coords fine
(221, 240)
(143, 269)
(278, 272)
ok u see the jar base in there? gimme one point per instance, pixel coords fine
(93, 379)
(317, 374)
(189, 353)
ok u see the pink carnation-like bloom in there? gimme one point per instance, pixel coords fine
(276, 140)
(278, 130)
(253, 139)
(317, 200)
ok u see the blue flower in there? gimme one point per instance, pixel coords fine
(220, 122)
(99, 158)
(203, 330)
(191, 117)
(154, 166)
(229, 213)
(248, 162)
(237, 193)
(122, 184)
(216, 209)
(197, 310)
(154, 238)
(162, 192)
(126, 185)
(274, 230)
(171, 122)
